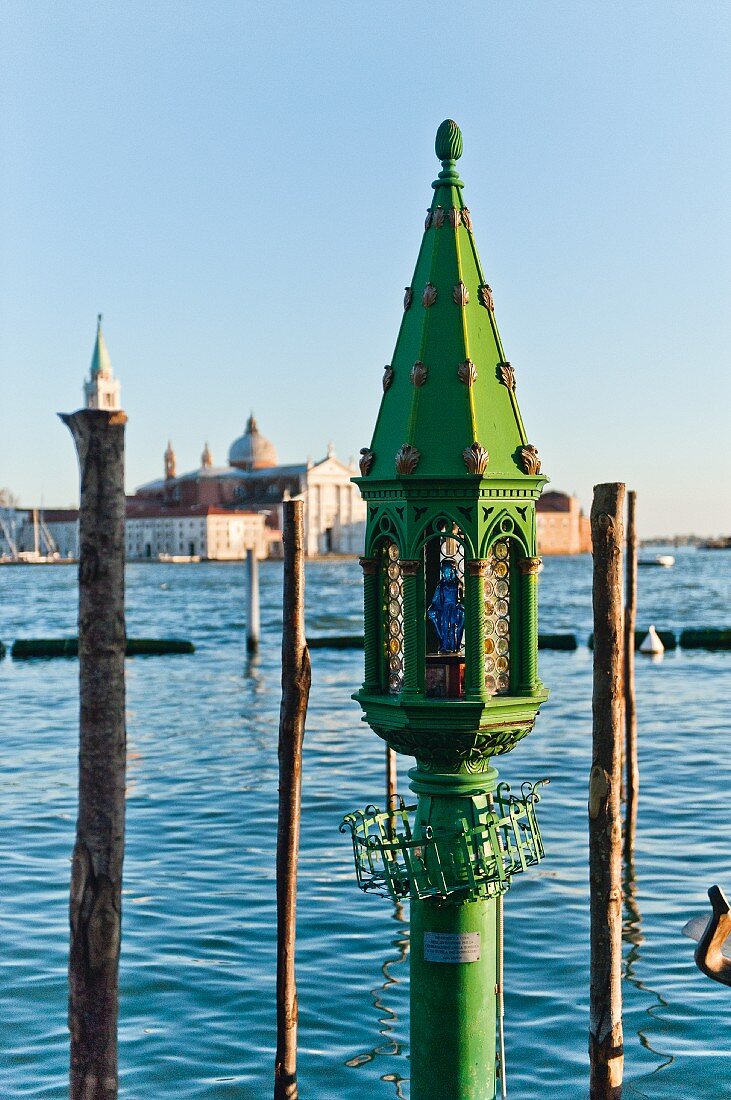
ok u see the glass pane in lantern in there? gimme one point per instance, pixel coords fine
(393, 617)
(497, 619)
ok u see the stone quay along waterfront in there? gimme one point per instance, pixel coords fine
(451, 481)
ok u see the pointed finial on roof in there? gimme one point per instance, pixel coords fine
(331, 449)
(100, 361)
(206, 457)
(448, 147)
(449, 409)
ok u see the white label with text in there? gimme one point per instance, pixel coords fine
(451, 947)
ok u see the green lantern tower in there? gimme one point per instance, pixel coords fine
(450, 572)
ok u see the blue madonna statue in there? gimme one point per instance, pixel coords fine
(446, 609)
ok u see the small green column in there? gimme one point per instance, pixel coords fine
(409, 573)
(448, 474)
(371, 625)
(529, 682)
(475, 628)
(453, 958)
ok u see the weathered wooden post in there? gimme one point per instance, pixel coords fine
(605, 830)
(450, 570)
(96, 877)
(632, 770)
(391, 778)
(295, 693)
(253, 624)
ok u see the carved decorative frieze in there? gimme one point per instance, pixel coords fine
(387, 377)
(476, 458)
(408, 297)
(419, 374)
(437, 219)
(486, 298)
(461, 294)
(365, 461)
(429, 296)
(530, 566)
(467, 372)
(369, 566)
(467, 219)
(407, 459)
(530, 460)
(455, 217)
(428, 219)
(506, 374)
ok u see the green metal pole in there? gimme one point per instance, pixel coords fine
(475, 628)
(453, 955)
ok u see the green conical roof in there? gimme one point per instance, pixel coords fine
(100, 361)
(449, 389)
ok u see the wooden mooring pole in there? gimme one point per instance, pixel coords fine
(253, 624)
(632, 771)
(295, 694)
(96, 875)
(606, 1053)
(391, 778)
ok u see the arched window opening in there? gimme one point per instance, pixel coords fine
(392, 601)
(497, 619)
(445, 613)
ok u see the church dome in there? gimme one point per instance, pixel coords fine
(252, 450)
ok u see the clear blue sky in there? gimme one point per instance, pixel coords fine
(239, 187)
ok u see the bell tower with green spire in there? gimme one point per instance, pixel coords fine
(450, 480)
(102, 390)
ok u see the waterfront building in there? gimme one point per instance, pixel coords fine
(254, 480)
(52, 530)
(200, 531)
(561, 525)
(29, 534)
(213, 512)
(102, 390)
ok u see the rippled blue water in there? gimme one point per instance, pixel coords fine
(198, 956)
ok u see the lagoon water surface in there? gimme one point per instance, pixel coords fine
(198, 952)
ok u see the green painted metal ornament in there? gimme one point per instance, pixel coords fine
(450, 480)
(450, 473)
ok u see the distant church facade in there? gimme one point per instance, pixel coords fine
(254, 481)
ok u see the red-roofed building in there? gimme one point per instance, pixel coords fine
(562, 527)
(157, 531)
